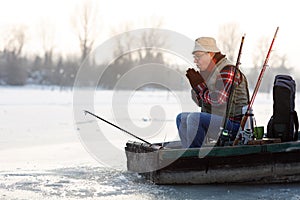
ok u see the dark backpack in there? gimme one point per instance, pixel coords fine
(284, 122)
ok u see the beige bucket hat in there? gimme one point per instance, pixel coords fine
(206, 44)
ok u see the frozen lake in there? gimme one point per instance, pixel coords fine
(43, 153)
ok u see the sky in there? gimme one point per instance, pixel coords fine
(193, 18)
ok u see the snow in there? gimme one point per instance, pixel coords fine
(37, 129)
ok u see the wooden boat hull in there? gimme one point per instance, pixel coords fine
(267, 163)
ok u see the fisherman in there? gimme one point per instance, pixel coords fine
(211, 88)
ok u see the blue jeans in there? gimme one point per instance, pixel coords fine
(194, 127)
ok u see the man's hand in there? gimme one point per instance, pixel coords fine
(194, 77)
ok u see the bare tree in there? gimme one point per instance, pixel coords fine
(15, 39)
(277, 64)
(15, 64)
(150, 37)
(229, 38)
(276, 60)
(122, 45)
(260, 52)
(86, 25)
(47, 33)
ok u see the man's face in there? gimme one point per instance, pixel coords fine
(202, 60)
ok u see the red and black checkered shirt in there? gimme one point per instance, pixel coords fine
(223, 84)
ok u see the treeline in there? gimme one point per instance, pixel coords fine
(19, 70)
(269, 76)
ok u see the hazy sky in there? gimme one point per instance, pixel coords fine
(194, 18)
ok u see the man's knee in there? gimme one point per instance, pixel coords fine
(193, 119)
(181, 118)
(178, 120)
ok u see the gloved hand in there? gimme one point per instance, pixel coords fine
(194, 77)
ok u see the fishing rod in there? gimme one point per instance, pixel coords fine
(245, 117)
(88, 112)
(231, 91)
(231, 94)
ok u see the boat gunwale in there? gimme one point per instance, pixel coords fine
(213, 151)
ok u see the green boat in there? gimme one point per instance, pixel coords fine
(262, 162)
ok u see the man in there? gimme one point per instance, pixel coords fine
(210, 90)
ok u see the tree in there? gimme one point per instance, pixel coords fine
(277, 64)
(148, 38)
(47, 33)
(151, 38)
(86, 26)
(16, 71)
(15, 39)
(229, 39)
(126, 60)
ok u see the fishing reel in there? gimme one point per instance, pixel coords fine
(225, 138)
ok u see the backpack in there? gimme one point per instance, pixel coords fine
(284, 121)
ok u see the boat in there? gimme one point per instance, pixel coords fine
(264, 161)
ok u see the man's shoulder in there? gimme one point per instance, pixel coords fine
(229, 67)
(224, 62)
